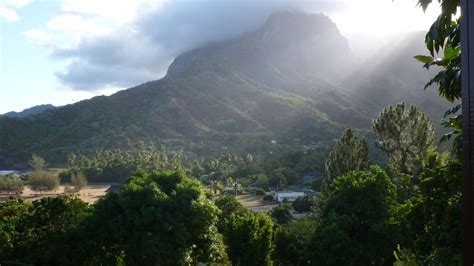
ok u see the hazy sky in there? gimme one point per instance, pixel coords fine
(60, 52)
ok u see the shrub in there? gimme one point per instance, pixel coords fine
(260, 192)
(11, 184)
(78, 181)
(281, 214)
(43, 181)
(267, 197)
(303, 204)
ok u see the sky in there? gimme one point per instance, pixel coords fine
(60, 52)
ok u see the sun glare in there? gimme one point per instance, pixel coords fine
(384, 17)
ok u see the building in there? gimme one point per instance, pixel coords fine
(281, 196)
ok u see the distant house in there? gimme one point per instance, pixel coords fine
(280, 196)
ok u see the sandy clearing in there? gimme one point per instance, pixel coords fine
(90, 193)
(255, 203)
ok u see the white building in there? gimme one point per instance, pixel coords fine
(280, 196)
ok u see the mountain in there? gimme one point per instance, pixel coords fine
(287, 80)
(30, 111)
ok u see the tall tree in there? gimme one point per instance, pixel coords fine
(351, 153)
(406, 134)
(37, 163)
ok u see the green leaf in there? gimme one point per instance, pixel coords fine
(451, 53)
(424, 58)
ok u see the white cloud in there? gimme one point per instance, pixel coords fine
(38, 35)
(9, 14)
(8, 9)
(18, 3)
(122, 11)
(78, 26)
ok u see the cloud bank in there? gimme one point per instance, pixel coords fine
(115, 44)
(143, 45)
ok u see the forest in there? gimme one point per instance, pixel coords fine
(388, 195)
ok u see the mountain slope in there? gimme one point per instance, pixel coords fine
(30, 111)
(284, 81)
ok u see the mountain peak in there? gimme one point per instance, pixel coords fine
(299, 23)
(291, 45)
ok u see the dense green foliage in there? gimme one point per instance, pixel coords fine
(406, 134)
(163, 218)
(281, 214)
(37, 232)
(248, 237)
(433, 216)
(303, 204)
(293, 242)
(351, 153)
(358, 222)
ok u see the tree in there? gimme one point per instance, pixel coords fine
(78, 180)
(281, 214)
(293, 242)
(278, 180)
(228, 206)
(11, 211)
(37, 163)
(11, 184)
(432, 219)
(163, 218)
(248, 237)
(445, 35)
(406, 134)
(351, 153)
(303, 204)
(358, 222)
(43, 181)
(39, 230)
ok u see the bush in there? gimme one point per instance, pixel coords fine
(11, 184)
(260, 192)
(78, 181)
(267, 197)
(303, 204)
(43, 181)
(281, 214)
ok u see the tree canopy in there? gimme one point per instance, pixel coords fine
(351, 153)
(162, 218)
(406, 134)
